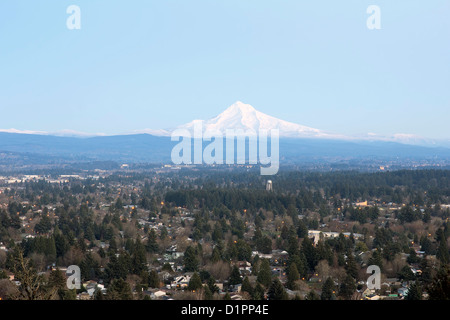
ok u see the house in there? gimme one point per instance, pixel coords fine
(279, 257)
(262, 255)
(416, 271)
(236, 288)
(316, 235)
(181, 282)
(219, 285)
(368, 292)
(391, 282)
(361, 204)
(176, 255)
(402, 291)
(91, 286)
(365, 256)
(245, 267)
(420, 254)
(157, 294)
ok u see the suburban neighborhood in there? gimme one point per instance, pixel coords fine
(115, 227)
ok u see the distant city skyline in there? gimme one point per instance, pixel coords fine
(157, 65)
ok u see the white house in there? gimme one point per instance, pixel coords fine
(158, 294)
(181, 282)
(316, 234)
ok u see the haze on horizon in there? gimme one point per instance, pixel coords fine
(159, 65)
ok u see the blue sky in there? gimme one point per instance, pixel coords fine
(158, 64)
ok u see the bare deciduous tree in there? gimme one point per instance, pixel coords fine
(32, 285)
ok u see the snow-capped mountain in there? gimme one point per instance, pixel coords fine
(60, 133)
(405, 138)
(245, 117)
(297, 143)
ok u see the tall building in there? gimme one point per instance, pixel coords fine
(269, 185)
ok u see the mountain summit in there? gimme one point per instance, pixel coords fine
(245, 117)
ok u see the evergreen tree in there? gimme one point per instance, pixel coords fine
(347, 287)
(112, 249)
(440, 287)
(191, 260)
(442, 253)
(117, 268)
(302, 229)
(310, 253)
(412, 258)
(406, 274)
(327, 290)
(351, 267)
(235, 277)
(15, 223)
(216, 255)
(426, 245)
(376, 259)
(208, 295)
(293, 276)
(258, 292)
(276, 290)
(195, 282)
(414, 292)
(324, 252)
(264, 245)
(244, 251)
(212, 285)
(153, 279)
(265, 273)
(425, 276)
(300, 263)
(61, 243)
(119, 289)
(312, 295)
(43, 226)
(138, 258)
(217, 234)
(293, 247)
(89, 268)
(72, 295)
(246, 286)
